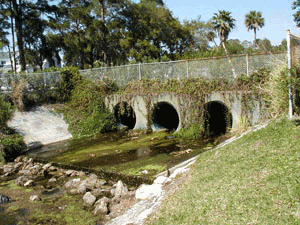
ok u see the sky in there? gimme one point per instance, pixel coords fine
(278, 16)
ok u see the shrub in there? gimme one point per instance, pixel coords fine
(86, 112)
(5, 112)
(277, 89)
(18, 93)
(11, 147)
(69, 78)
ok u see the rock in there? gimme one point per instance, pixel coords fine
(52, 168)
(101, 206)
(92, 182)
(99, 192)
(22, 180)
(29, 183)
(120, 190)
(47, 166)
(18, 165)
(35, 169)
(4, 199)
(146, 191)
(82, 189)
(144, 172)
(162, 180)
(25, 172)
(81, 173)
(52, 180)
(34, 198)
(27, 166)
(69, 172)
(19, 159)
(89, 199)
(8, 169)
(73, 183)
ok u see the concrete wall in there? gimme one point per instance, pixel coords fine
(232, 100)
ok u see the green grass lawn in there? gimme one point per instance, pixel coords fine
(254, 180)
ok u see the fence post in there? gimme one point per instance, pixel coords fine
(289, 56)
(187, 68)
(247, 63)
(140, 76)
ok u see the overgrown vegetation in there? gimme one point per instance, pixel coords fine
(85, 111)
(11, 144)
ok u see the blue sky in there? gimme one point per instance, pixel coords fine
(278, 15)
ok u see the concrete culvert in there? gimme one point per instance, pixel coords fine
(125, 115)
(217, 118)
(164, 115)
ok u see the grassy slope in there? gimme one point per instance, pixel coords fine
(254, 180)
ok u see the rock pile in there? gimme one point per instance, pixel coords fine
(105, 196)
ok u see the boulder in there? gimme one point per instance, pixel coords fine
(25, 172)
(52, 168)
(34, 198)
(121, 189)
(8, 168)
(101, 206)
(69, 172)
(73, 183)
(52, 180)
(35, 169)
(29, 183)
(82, 188)
(47, 166)
(18, 165)
(100, 192)
(89, 199)
(22, 180)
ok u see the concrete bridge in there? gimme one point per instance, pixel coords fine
(218, 111)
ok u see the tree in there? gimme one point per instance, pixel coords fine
(26, 21)
(152, 35)
(296, 5)
(224, 23)
(254, 21)
(202, 33)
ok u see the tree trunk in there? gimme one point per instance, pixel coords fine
(229, 59)
(102, 3)
(19, 31)
(255, 44)
(14, 62)
(11, 60)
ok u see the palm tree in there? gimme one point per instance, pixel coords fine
(254, 21)
(223, 23)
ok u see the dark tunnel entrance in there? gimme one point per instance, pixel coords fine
(125, 115)
(164, 115)
(217, 118)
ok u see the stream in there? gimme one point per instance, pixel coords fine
(124, 152)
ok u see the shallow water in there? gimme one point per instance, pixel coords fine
(118, 152)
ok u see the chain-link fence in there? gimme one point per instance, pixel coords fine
(218, 67)
(34, 81)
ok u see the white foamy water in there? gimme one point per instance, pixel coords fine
(40, 126)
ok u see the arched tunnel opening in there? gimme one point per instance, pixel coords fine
(125, 115)
(164, 115)
(217, 119)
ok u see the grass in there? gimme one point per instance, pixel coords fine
(254, 180)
